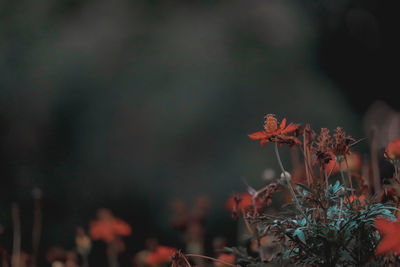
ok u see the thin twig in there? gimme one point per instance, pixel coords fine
(247, 222)
(349, 175)
(306, 158)
(187, 262)
(288, 182)
(37, 227)
(213, 259)
(375, 163)
(16, 255)
(326, 179)
(330, 172)
(342, 175)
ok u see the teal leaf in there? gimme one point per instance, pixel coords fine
(300, 234)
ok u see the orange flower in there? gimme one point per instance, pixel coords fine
(353, 160)
(390, 231)
(228, 258)
(108, 227)
(162, 254)
(393, 150)
(273, 133)
(353, 198)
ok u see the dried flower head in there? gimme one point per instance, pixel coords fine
(322, 148)
(341, 145)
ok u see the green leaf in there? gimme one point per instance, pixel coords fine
(300, 234)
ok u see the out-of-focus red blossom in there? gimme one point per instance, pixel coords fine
(162, 254)
(226, 257)
(273, 133)
(108, 227)
(390, 231)
(242, 201)
(353, 198)
(353, 160)
(393, 150)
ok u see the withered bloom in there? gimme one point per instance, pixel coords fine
(309, 135)
(322, 149)
(341, 145)
(280, 135)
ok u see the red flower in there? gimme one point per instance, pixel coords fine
(393, 150)
(228, 258)
(391, 236)
(162, 254)
(273, 133)
(108, 227)
(353, 161)
(353, 198)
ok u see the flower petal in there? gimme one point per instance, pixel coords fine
(258, 135)
(291, 128)
(391, 238)
(283, 124)
(263, 141)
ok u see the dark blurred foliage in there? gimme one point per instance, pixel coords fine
(130, 104)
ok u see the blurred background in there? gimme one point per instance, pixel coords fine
(130, 105)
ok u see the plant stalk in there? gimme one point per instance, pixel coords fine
(288, 182)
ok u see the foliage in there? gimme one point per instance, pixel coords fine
(328, 223)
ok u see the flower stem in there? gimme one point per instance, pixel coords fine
(247, 223)
(288, 182)
(326, 179)
(16, 251)
(349, 175)
(342, 175)
(340, 209)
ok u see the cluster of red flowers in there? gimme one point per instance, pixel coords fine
(327, 152)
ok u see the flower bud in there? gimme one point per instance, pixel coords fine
(286, 176)
(341, 191)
